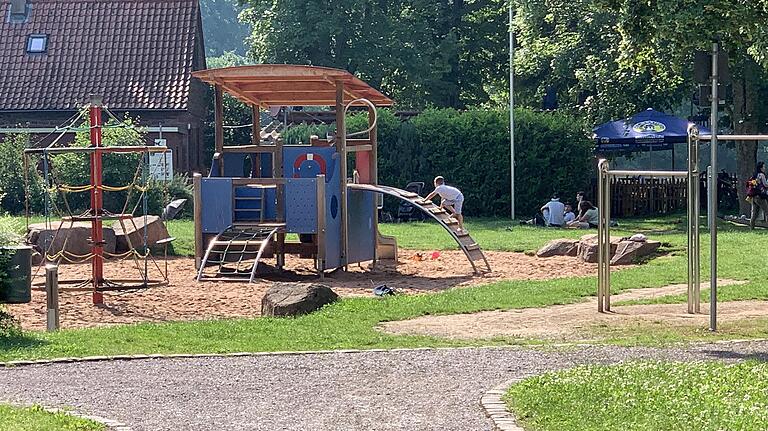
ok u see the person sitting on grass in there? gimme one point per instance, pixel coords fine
(451, 199)
(554, 212)
(759, 197)
(569, 215)
(590, 217)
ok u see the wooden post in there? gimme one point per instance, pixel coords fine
(219, 127)
(52, 297)
(197, 183)
(256, 140)
(341, 148)
(320, 226)
(97, 199)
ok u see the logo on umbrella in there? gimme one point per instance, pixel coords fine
(649, 127)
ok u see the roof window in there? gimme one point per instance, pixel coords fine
(37, 43)
(18, 13)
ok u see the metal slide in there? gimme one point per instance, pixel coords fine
(468, 245)
(234, 254)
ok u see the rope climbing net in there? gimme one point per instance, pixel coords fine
(57, 203)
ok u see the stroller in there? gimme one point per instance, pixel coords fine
(407, 211)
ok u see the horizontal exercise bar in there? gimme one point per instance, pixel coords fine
(120, 149)
(735, 137)
(649, 173)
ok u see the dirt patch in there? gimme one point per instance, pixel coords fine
(572, 321)
(186, 299)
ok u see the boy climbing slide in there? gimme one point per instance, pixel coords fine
(451, 199)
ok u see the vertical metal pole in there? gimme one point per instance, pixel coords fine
(603, 259)
(52, 297)
(97, 233)
(709, 191)
(606, 210)
(694, 248)
(713, 197)
(511, 116)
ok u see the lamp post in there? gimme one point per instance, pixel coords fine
(511, 115)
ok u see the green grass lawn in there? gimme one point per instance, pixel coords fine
(37, 419)
(351, 323)
(645, 396)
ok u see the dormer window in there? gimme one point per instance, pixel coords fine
(37, 43)
(18, 13)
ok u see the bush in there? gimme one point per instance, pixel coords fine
(12, 187)
(9, 325)
(471, 150)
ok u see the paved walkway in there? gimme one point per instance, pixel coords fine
(398, 390)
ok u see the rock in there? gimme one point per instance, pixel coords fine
(292, 299)
(587, 249)
(78, 234)
(559, 247)
(630, 251)
(134, 229)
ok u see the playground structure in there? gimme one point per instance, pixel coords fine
(96, 214)
(694, 201)
(259, 192)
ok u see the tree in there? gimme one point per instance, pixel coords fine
(222, 28)
(658, 36)
(420, 52)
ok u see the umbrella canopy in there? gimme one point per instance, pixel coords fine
(649, 129)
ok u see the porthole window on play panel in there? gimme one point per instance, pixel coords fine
(37, 43)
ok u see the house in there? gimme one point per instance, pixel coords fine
(138, 55)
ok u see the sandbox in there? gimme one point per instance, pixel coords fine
(186, 299)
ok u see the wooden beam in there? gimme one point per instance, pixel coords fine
(357, 148)
(341, 147)
(256, 139)
(219, 124)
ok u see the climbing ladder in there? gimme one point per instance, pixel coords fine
(234, 254)
(469, 246)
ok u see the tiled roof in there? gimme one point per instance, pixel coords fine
(137, 54)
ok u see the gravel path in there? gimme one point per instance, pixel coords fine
(397, 390)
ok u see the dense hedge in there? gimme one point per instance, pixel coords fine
(471, 150)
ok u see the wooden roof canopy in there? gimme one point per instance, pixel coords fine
(290, 85)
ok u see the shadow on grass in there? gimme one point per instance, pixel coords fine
(21, 341)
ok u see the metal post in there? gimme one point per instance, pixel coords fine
(606, 210)
(713, 197)
(709, 190)
(694, 244)
(97, 232)
(603, 236)
(52, 297)
(511, 116)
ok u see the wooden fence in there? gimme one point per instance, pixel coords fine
(639, 196)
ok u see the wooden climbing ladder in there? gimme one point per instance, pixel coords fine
(468, 245)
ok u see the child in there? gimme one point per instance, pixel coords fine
(569, 215)
(450, 199)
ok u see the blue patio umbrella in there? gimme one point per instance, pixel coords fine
(646, 130)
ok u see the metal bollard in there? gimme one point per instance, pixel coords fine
(52, 297)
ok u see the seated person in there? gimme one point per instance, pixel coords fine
(554, 212)
(569, 215)
(590, 217)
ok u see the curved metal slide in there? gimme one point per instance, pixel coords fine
(468, 245)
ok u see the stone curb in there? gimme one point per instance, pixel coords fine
(112, 425)
(496, 409)
(21, 363)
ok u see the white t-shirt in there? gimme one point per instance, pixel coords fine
(569, 217)
(556, 213)
(448, 193)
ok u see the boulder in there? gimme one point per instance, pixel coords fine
(587, 249)
(77, 235)
(292, 299)
(630, 251)
(134, 229)
(559, 247)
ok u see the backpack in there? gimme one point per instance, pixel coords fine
(755, 189)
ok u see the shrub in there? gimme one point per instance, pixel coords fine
(471, 150)
(9, 325)
(12, 187)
